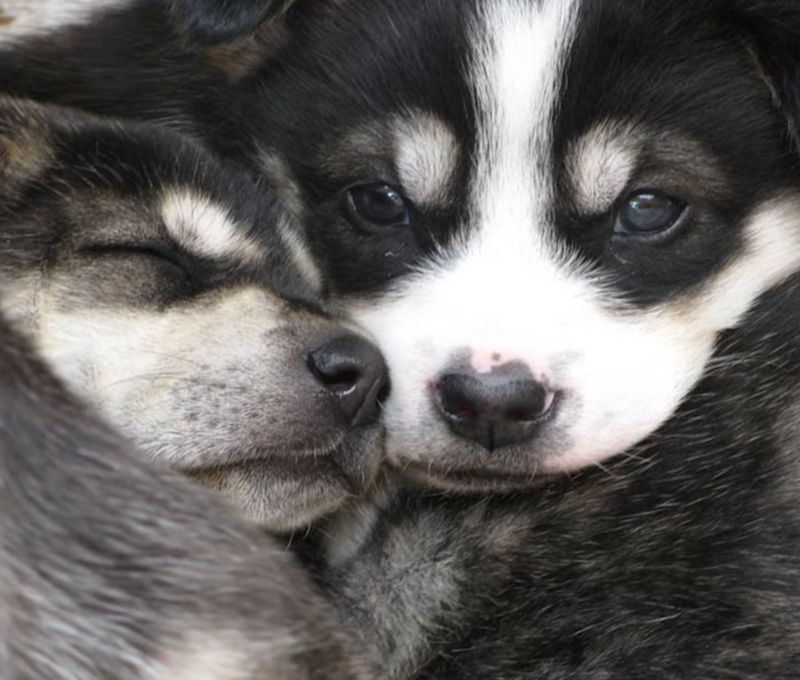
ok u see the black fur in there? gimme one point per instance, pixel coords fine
(214, 22)
(681, 559)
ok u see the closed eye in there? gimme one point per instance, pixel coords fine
(150, 250)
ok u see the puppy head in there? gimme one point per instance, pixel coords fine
(545, 212)
(168, 290)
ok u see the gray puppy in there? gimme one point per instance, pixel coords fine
(129, 276)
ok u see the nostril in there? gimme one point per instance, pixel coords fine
(336, 376)
(352, 370)
(526, 400)
(457, 396)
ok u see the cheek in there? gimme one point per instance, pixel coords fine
(623, 386)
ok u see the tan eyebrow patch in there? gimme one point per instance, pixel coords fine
(601, 163)
(204, 227)
(426, 156)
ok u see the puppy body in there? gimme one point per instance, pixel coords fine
(110, 568)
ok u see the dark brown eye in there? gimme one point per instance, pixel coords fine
(378, 204)
(648, 212)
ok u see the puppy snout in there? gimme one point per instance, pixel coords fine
(495, 409)
(353, 371)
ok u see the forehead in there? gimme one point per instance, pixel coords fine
(557, 64)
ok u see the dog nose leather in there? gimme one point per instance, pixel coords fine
(353, 372)
(495, 409)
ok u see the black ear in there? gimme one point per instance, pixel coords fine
(218, 22)
(771, 32)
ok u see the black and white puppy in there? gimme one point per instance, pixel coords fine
(162, 286)
(574, 228)
(112, 569)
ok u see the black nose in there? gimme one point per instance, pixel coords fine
(353, 372)
(494, 409)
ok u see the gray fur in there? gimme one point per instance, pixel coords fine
(109, 568)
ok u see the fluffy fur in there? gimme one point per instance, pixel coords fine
(573, 228)
(110, 568)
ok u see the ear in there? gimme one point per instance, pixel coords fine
(771, 30)
(219, 22)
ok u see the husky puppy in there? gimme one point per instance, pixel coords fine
(167, 289)
(574, 228)
(112, 569)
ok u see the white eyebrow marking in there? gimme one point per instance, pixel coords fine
(204, 227)
(426, 152)
(601, 163)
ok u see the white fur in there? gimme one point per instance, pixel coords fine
(426, 152)
(130, 362)
(221, 655)
(204, 227)
(29, 17)
(620, 374)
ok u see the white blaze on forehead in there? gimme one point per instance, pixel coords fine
(517, 67)
(204, 227)
(601, 163)
(426, 152)
(508, 256)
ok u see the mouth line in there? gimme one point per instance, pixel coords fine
(285, 452)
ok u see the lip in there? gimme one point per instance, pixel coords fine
(240, 458)
(354, 461)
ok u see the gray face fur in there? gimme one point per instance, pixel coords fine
(165, 290)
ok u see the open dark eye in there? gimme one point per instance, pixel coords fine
(648, 212)
(378, 204)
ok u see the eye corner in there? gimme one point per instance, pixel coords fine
(144, 249)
